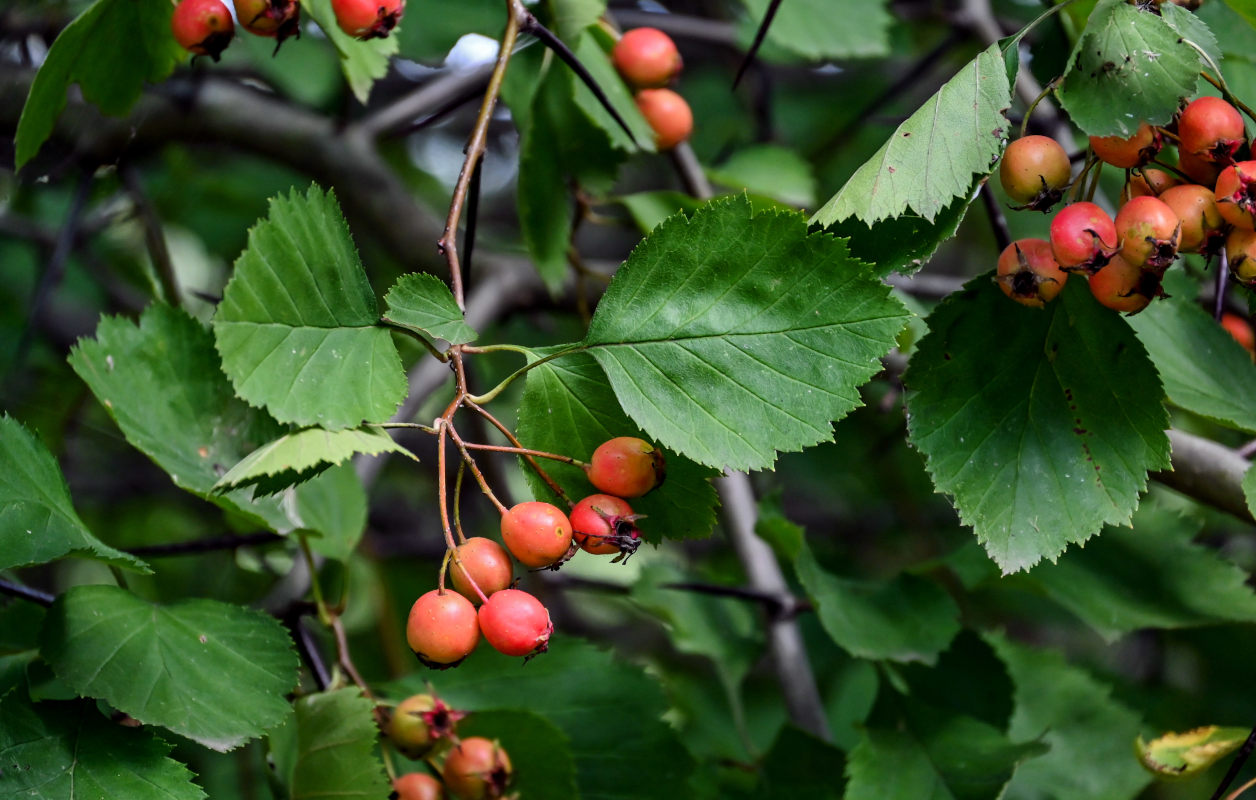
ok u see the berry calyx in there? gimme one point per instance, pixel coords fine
(1083, 237)
(203, 27)
(1128, 152)
(515, 623)
(1149, 233)
(1203, 227)
(1028, 273)
(537, 534)
(646, 58)
(1034, 171)
(442, 629)
(626, 467)
(418, 786)
(603, 524)
(420, 722)
(668, 115)
(1240, 250)
(272, 18)
(477, 769)
(484, 562)
(1121, 286)
(1236, 194)
(368, 19)
(1211, 128)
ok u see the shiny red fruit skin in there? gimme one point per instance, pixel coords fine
(1152, 182)
(271, 18)
(668, 114)
(1128, 152)
(1211, 128)
(487, 563)
(626, 467)
(591, 526)
(1236, 194)
(368, 19)
(1083, 236)
(203, 27)
(1240, 329)
(537, 534)
(1033, 166)
(1196, 208)
(1120, 286)
(515, 623)
(1149, 232)
(1199, 169)
(477, 769)
(442, 629)
(646, 58)
(418, 786)
(1028, 273)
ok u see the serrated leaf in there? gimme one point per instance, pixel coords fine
(162, 383)
(1087, 730)
(336, 511)
(214, 672)
(363, 62)
(907, 618)
(87, 53)
(1041, 424)
(932, 157)
(1183, 755)
(1151, 576)
(1203, 369)
(327, 748)
(38, 522)
(298, 456)
(422, 302)
(70, 751)
(809, 29)
(595, 699)
(296, 327)
(1193, 29)
(648, 209)
(768, 170)
(729, 337)
(1130, 60)
(540, 753)
(568, 407)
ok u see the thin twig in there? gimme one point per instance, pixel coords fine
(1240, 758)
(550, 482)
(26, 593)
(308, 649)
(154, 238)
(759, 35)
(998, 222)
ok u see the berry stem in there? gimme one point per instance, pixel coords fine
(453, 556)
(469, 460)
(1029, 112)
(1223, 275)
(442, 485)
(462, 468)
(524, 451)
(554, 487)
(1173, 169)
(1221, 84)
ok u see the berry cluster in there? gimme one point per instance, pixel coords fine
(206, 27)
(424, 727)
(444, 627)
(647, 60)
(1205, 204)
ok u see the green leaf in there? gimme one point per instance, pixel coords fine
(1249, 489)
(600, 703)
(540, 753)
(907, 618)
(820, 29)
(1089, 732)
(38, 522)
(648, 209)
(161, 382)
(87, 53)
(362, 62)
(1193, 29)
(1151, 576)
(1041, 423)
(546, 210)
(431, 38)
(421, 302)
(328, 748)
(1184, 755)
(214, 672)
(595, 60)
(932, 157)
(1203, 369)
(69, 751)
(571, 17)
(296, 327)
(1243, 9)
(301, 455)
(774, 527)
(768, 170)
(334, 506)
(568, 408)
(1130, 60)
(729, 337)
(800, 765)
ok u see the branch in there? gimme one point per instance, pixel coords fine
(1207, 472)
(26, 593)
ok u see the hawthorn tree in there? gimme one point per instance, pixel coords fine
(287, 322)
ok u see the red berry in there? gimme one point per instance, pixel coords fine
(420, 722)
(483, 561)
(604, 524)
(1121, 286)
(203, 27)
(537, 534)
(1240, 249)
(477, 769)
(1199, 169)
(418, 786)
(1236, 194)
(442, 629)
(1149, 232)
(1147, 181)
(1029, 274)
(1034, 171)
(1240, 329)
(368, 19)
(1202, 223)
(515, 623)
(277, 18)
(1128, 152)
(646, 58)
(1083, 237)
(668, 115)
(1212, 129)
(626, 467)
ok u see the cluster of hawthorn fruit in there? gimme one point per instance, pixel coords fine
(648, 61)
(423, 727)
(1204, 203)
(205, 27)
